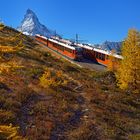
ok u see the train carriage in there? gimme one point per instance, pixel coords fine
(72, 52)
(98, 55)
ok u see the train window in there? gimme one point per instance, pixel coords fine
(57, 46)
(68, 50)
(93, 53)
(54, 45)
(96, 54)
(100, 56)
(103, 57)
(78, 50)
(107, 57)
(61, 48)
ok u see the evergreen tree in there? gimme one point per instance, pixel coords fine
(128, 73)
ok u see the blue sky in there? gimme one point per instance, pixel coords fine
(94, 20)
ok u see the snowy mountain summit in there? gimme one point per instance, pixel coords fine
(31, 25)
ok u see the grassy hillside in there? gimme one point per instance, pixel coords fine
(49, 98)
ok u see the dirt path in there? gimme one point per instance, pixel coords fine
(81, 117)
(25, 114)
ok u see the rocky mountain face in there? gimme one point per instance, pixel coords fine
(107, 45)
(31, 25)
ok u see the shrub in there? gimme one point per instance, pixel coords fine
(52, 79)
(1, 26)
(46, 54)
(40, 108)
(6, 116)
(134, 137)
(9, 133)
(35, 72)
(25, 95)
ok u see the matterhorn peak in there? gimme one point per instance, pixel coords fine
(30, 14)
(31, 25)
(29, 11)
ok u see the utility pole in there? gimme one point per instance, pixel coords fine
(76, 38)
(55, 34)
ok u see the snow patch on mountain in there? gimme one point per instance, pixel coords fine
(31, 25)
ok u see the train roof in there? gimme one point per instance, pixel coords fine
(62, 44)
(58, 42)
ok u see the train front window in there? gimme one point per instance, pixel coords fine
(79, 50)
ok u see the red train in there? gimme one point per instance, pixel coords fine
(98, 55)
(77, 51)
(72, 52)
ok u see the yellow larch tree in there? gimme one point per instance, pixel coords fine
(4, 64)
(128, 73)
(1, 26)
(52, 78)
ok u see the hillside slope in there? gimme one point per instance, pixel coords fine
(87, 106)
